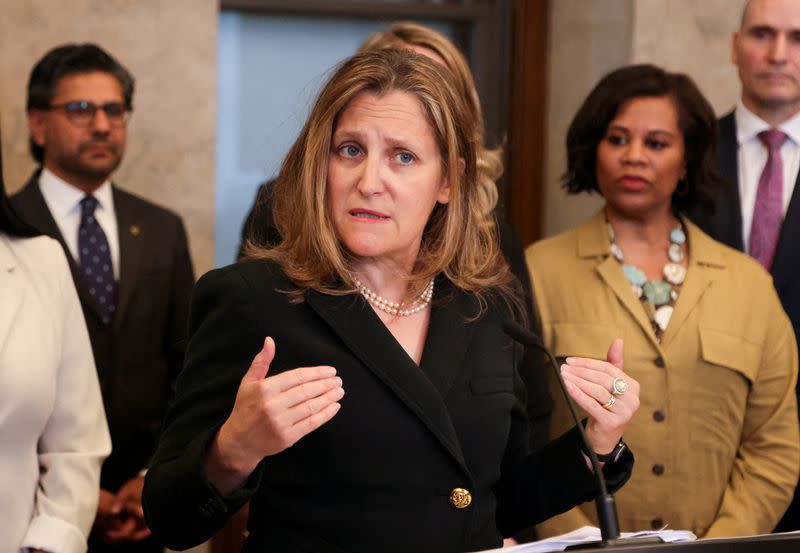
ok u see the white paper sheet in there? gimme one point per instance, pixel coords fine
(588, 534)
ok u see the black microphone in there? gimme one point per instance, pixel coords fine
(606, 508)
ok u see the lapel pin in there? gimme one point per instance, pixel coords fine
(135, 230)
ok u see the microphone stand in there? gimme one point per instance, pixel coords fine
(606, 507)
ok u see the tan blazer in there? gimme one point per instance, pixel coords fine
(716, 438)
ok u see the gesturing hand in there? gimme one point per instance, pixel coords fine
(590, 382)
(269, 415)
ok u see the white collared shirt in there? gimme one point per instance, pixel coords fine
(63, 200)
(753, 157)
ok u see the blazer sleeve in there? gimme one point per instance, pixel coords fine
(532, 366)
(765, 471)
(180, 301)
(575, 517)
(181, 506)
(75, 439)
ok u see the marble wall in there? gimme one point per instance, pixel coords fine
(170, 47)
(588, 38)
(691, 37)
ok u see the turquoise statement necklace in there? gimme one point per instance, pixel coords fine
(658, 296)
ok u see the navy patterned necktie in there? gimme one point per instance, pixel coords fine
(95, 258)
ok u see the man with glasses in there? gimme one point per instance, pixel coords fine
(129, 260)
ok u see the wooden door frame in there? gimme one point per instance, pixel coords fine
(527, 118)
(505, 42)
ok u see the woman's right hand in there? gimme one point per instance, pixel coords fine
(270, 414)
(591, 384)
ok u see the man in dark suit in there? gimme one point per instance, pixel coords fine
(129, 260)
(759, 154)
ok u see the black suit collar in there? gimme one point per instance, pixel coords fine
(422, 388)
(786, 263)
(130, 227)
(32, 207)
(727, 219)
(728, 216)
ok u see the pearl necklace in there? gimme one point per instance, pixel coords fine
(658, 296)
(393, 307)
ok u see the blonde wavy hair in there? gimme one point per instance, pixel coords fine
(454, 242)
(406, 33)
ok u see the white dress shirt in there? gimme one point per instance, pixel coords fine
(753, 157)
(53, 428)
(64, 202)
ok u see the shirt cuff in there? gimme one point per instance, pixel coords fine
(55, 535)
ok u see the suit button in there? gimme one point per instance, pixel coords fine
(657, 524)
(460, 498)
(658, 469)
(659, 416)
(660, 362)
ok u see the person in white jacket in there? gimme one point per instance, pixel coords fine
(53, 427)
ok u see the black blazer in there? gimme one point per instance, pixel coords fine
(725, 225)
(141, 352)
(259, 227)
(378, 476)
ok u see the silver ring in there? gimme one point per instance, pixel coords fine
(619, 387)
(611, 401)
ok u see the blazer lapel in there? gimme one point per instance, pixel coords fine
(30, 204)
(704, 260)
(786, 263)
(610, 271)
(593, 243)
(129, 230)
(353, 320)
(449, 334)
(13, 290)
(727, 219)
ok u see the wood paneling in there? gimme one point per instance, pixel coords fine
(527, 110)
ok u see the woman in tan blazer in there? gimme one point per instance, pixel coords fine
(716, 437)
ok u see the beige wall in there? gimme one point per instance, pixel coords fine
(691, 37)
(170, 47)
(588, 38)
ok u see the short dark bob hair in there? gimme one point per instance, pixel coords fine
(71, 59)
(696, 120)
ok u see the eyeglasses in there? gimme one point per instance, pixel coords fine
(81, 112)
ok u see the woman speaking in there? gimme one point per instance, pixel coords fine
(383, 410)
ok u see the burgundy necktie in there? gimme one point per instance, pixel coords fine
(768, 211)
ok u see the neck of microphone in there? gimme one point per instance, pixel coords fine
(606, 509)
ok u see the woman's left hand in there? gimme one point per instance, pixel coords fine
(608, 395)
